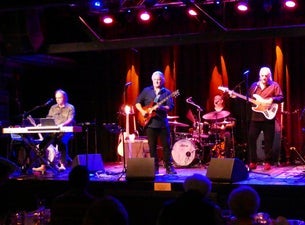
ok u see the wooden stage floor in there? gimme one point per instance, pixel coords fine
(282, 189)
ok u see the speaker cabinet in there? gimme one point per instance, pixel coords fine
(140, 169)
(94, 161)
(227, 169)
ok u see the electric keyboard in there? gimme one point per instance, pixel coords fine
(44, 129)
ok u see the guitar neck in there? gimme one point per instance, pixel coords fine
(244, 97)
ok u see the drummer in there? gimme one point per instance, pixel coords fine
(221, 125)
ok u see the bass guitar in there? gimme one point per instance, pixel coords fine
(262, 105)
(150, 109)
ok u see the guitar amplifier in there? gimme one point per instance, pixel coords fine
(137, 148)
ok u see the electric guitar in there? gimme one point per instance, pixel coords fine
(262, 105)
(150, 109)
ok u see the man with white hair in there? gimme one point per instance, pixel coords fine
(267, 94)
(153, 104)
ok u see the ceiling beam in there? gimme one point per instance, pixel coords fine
(179, 39)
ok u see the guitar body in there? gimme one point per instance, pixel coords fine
(264, 106)
(127, 139)
(268, 109)
(143, 120)
(151, 107)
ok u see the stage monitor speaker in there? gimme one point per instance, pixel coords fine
(95, 162)
(140, 169)
(227, 169)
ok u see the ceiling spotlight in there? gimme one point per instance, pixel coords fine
(107, 19)
(289, 3)
(144, 16)
(242, 6)
(192, 12)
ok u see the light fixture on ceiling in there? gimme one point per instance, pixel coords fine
(289, 3)
(242, 6)
(144, 16)
(107, 19)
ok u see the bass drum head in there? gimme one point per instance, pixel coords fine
(183, 152)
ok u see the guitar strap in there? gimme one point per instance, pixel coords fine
(158, 96)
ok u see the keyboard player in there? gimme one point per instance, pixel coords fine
(63, 114)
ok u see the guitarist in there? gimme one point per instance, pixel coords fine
(157, 125)
(268, 91)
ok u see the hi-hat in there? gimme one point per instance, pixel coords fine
(172, 117)
(216, 115)
(177, 124)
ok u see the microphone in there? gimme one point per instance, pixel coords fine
(127, 84)
(48, 102)
(189, 99)
(246, 73)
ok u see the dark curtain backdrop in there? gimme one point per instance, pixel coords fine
(96, 84)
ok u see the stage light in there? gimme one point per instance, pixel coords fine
(289, 3)
(96, 5)
(242, 6)
(144, 16)
(107, 19)
(192, 12)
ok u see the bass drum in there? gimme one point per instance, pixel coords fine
(184, 152)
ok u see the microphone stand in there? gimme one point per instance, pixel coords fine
(200, 128)
(26, 114)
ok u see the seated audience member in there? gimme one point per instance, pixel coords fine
(107, 210)
(244, 202)
(69, 208)
(191, 204)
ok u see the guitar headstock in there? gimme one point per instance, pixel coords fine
(176, 93)
(224, 89)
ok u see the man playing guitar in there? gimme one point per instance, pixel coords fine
(156, 122)
(270, 91)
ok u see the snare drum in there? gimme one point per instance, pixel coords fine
(184, 152)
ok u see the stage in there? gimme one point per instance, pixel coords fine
(282, 189)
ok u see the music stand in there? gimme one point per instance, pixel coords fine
(117, 129)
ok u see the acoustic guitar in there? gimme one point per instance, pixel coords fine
(151, 109)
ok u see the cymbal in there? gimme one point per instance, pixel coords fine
(177, 124)
(216, 115)
(172, 117)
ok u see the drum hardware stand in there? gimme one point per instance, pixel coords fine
(86, 126)
(292, 148)
(39, 152)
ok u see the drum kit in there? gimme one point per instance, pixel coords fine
(203, 140)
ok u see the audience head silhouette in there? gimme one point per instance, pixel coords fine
(79, 177)
(244, 202)
(199, 183)
(107, 211)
